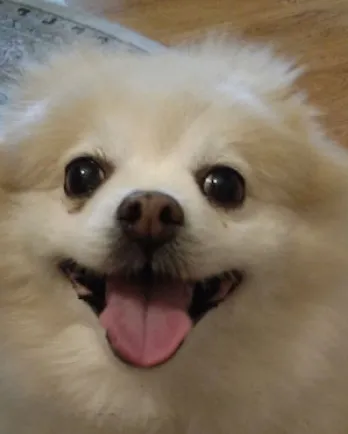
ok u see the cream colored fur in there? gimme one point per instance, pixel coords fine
(271, 359)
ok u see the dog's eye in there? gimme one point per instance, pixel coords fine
(224, 186)
(82, 176)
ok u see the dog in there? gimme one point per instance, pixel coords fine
(174, 237)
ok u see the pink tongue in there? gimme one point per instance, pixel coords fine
(143, 331)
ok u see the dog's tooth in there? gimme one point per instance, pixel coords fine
(82, 291)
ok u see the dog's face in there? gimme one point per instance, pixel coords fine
(155, 187)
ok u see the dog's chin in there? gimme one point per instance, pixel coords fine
(147, 316)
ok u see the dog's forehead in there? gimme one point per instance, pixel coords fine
(173, 123)
(197, 122)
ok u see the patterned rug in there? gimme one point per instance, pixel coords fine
(30, 27)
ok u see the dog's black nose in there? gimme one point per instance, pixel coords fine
(150, 218)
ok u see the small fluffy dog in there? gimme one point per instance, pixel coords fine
(174, 238)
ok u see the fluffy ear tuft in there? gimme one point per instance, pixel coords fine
(48, 81)
(258, 67)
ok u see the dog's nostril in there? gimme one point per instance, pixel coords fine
(167, 216)
(150, 218)
(133, 212)
(130, 211)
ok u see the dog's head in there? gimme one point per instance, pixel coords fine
(156, 186)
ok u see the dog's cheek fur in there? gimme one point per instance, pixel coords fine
(51, 353)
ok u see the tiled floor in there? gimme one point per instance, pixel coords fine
(59, 2)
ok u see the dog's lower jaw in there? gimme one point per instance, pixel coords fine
(206, 389)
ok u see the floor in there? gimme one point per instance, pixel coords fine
(315, 31)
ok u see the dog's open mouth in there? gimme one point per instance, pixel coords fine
(147, 317)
